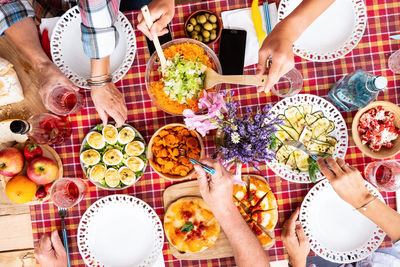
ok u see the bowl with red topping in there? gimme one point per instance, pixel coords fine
(376, 129)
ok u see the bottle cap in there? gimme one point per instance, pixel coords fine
(19, 127)
(380, 82)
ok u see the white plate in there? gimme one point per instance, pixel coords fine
(67, 48)
(120, 230)
(331, 113)
(333, 34)
(337, 232)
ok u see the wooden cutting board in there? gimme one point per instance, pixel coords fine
(222, 247)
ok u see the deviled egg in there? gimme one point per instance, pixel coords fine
(97, 173)
(112, 157)
(110, 134)
(127, 176)
(96, 140)
(134, 148)
(112, 177)
(126, 135)
(135, 164)
(90, 157)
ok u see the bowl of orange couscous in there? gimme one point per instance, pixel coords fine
(180, 86)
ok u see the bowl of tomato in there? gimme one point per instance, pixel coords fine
(376, 129)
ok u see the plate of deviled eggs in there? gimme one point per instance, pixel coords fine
(113, 158)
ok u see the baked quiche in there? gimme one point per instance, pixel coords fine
(190, 225)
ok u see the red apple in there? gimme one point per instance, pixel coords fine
(11, 161)
(42, 170)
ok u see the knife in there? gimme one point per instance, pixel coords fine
(257, 21)
(395, 37)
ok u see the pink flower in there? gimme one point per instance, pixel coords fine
(214, 102)
(200, 123)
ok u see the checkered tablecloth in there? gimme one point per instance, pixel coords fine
(371, 54)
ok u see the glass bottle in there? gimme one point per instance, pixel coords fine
(43, 128)
(355, 90)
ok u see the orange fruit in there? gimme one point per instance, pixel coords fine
(20, 189)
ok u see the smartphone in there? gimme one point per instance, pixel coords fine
(163, 39)
(231, 51)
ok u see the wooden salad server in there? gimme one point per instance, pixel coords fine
(147, 18)
(213, 78)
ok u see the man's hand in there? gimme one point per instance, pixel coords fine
(109, 101)
(295, 241)
(162, 12)
(346, 181)
(216, 191)
(277, 46)
(49, 77)
(50, 252)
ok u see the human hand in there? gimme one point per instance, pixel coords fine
(49, 77)
(162, 12)
(109, 101)
(278, 46)
(295, 241)
(346, 181)
(216, 191)
(50, 252)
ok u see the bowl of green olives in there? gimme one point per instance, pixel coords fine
(204, 26)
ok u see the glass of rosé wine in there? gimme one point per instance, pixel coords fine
(384, 174)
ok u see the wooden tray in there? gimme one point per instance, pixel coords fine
(222, 247)
(48, 152)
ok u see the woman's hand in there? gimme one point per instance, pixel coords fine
(218, 189)
(50, 251)
(346, 181)
(277, 46)
(162, 12)
(109, 101)
(295, 241)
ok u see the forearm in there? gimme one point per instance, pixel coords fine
(385, 217)
(25, 37)
(302, 17)
(246, 247)
(100, 66)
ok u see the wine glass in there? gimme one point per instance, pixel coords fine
(64, 100)
(289, 84)
(384, 174)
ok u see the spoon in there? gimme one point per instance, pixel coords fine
(147, 18)
(213, 78)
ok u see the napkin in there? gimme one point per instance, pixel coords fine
(240, 19)
(49, 24)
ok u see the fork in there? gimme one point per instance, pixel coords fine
(299, 145)
(62, 212)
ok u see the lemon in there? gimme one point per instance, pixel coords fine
(112, 177)
(126, 135)
(127, 176)
(110, 133)
(112, 157)
(90, 157)
(96, 140)
(98, 172)
(134, 148)
(135, 164)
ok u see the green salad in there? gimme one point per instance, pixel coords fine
(183, 79)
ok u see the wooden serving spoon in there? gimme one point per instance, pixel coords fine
(147, 18)
(213, 78)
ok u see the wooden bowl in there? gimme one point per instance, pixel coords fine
(197, 12)
(383, 153)
(150, 154)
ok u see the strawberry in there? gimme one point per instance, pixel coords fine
(31, 151)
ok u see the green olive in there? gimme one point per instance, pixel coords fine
(201, 19)
(189, 27)
(197, 28)
(196, 37)
(200, 38)
(193, 34)
(213, 36)
(206, 40)
(207, 15)
(206, 34)
(214, 26)
(212, 19)
(207, 26)
(193, 21)
(214, 32)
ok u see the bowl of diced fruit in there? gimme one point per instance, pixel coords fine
(204, 26)
(376, 129)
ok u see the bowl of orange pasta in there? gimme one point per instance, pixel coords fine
(180, 85)
(170, 151)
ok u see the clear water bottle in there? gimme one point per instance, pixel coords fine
(356, 90)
